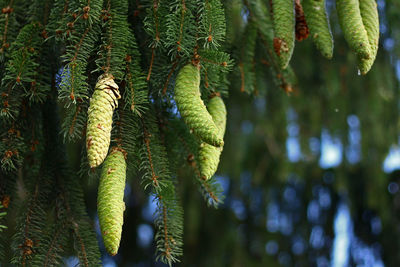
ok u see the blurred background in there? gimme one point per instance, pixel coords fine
(310, 177)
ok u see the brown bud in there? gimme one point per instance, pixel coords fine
(128, 58)
(190, 158)
(86, 9)
(44, 34)
(7, 10)
(8, 154)
(28, 243)
(6, 201)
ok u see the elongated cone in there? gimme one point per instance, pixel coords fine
(209, 155)
(353, 27)
(192, 108)
(102, 104)
(110, 199)
(370, 18)
(318, 23)
(284, 28)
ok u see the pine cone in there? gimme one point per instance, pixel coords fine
(101, 109)
(302, 31)
(192, 108)
(284, 28)
(370, 18)
(110, 199)
(318, 22)
(209, 155)
(353, 27)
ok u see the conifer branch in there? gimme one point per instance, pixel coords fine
(76, 232)
(188, 145)
(69, 196)
(20, 70)
(147, 142)
(8, 10)
(54, 246)
(28, 238)
(210, 190)
(81, 36)
(212, 24)
(181, 30)
(169, 212)
(151, 64)
(156, 23)
(164, 91)
(136, 94)
(242, 77)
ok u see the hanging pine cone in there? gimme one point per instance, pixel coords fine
(110, 199)
(370, 18)
(318, 22)
(192, 108)
(284, 28)
(209, 155)
(102, 104)
(353, 27)
(302, 31)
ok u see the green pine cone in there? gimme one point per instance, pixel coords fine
(284, 27)
(101, 109)
(192, 108)
(318, 23)
(353, 27)
(110, 199)
(209, 155)
(370, 18)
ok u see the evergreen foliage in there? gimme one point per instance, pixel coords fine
(163, 61)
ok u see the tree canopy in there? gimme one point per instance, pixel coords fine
(199, 132)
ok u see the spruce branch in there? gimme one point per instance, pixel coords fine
(81, 35)
(115, 43)
(69, 196)
(11, 11)
(74, 123)
(30, 225)
(53, 243)
(157, 177)
(164, 91)
(154, 25)
(180, 29)
(135, 94)
(20, 71)
(188, 145)
(212, 26)
(125, 134)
